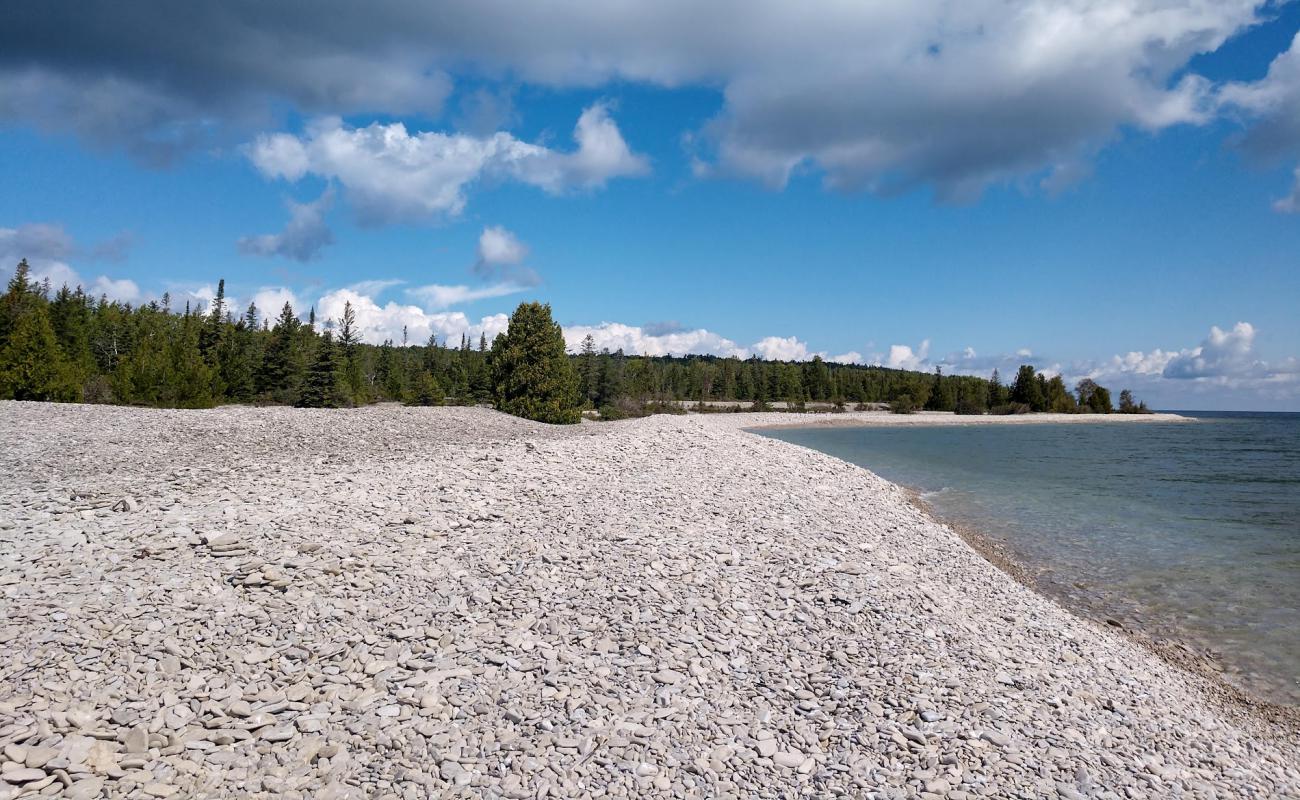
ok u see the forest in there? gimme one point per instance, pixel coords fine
(67, 346)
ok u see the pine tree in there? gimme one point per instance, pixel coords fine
(320, 387)
(531, 373)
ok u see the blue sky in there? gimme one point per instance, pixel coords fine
(1097, 195)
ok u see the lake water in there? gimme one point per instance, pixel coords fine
(1185, 531)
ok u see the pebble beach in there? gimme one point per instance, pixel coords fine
(402, 602)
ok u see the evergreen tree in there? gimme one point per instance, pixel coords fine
(531, 373)
(31, 365)
(278, 376)
(427, 391)
(321, 387)
(1026, 389)
(997, 393)
(214, 328)
(353, 376)
(1058, 398)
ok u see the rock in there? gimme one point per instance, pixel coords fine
(22, 775)
(789, 759)
(38, 757)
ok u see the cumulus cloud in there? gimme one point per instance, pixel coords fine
(1272, 104)
(47, 249)
(902, 356)
(303, 237)
(392, 175)
(378, 323)
(782, 348)
(270, 301)
(1221, 354)
(501, 256)
(873, 95)
(496, 245)
(1271, 108)
(635, 340)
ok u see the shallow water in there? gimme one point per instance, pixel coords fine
(1184, 531)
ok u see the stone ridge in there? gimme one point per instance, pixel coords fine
(405, 603)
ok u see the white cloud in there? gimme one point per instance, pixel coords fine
(1222, 354)
(270, 302)
(123, 290)
(47, 246)
(439, 296)
(635, 340)
(1290, 202)
(377, 323)
(902, 356)
(783, 348)
(496, 245)
(851, 357)
(875, 95)
(303, 237)
(501, 256)
(392, 175)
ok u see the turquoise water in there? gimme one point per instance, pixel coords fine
(1185, 531)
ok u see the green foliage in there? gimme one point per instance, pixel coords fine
(427, 391)
(972, 398)
(1128, 406)
(154, 355)
(532, 376)
(903, 404)
(1093, 398)
(1028, 389)
(321, 388)
(1058, 398)
(31, 365)
(1006, 409)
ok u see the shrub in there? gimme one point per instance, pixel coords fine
(903, 404)
(1010, 408)
(967, 404)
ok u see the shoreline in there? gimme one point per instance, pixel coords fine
(1171, 649)
(867, 419)
(441, 600)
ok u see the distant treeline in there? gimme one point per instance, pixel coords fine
(68, 346)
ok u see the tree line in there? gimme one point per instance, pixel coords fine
(68, 346)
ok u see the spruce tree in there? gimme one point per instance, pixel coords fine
(531, 373)
(31, 365)
(427, 391)
(320, 387)
(278, 375)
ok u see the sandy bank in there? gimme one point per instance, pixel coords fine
(412, 602)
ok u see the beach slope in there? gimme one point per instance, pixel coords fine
(393, 602)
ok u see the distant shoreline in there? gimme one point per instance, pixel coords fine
(868, 419)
